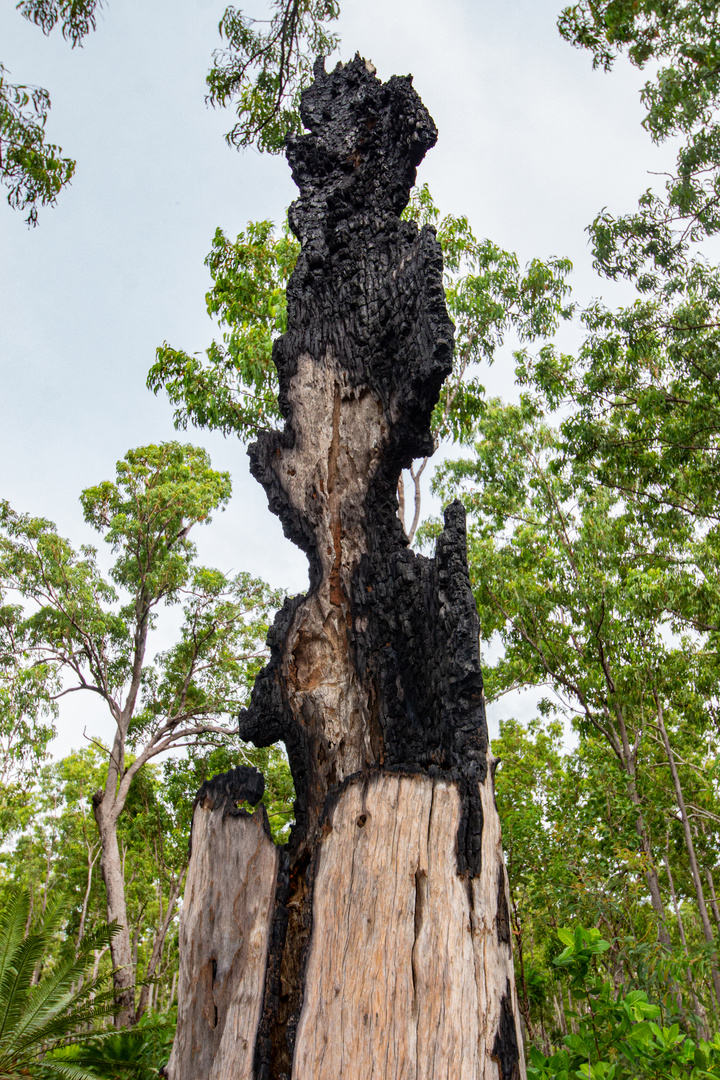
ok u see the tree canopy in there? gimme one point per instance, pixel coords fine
(258, 72)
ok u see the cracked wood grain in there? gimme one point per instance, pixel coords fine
(224, 932)
(406, 974)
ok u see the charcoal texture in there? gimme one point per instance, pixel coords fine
(365, 303)
(506, 1052)
(226, 790)
(368, 288)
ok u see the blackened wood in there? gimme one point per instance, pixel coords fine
(389, 953)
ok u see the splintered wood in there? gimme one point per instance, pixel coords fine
(224, 935)
(405, 973)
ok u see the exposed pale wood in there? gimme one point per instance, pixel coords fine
(340, 434)
(406, 971)
(495, 978)
(224, 931)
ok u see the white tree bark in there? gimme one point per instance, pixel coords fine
(111, 868)
(224, 932)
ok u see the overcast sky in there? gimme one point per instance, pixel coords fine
(532, 144)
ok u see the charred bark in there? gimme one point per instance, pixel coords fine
(389, 950)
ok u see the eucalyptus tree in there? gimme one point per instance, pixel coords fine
(642, 396)
(571, 853)
(53, 851)
(676, 43)
(644, 390)
(94, 632)
(27, 706)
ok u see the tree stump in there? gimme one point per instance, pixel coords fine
(377, 943)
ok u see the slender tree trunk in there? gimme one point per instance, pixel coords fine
(415, 475)
(417, 495)
(543, 1033)
(713, 898)
(524, 1000)
(401, 499)
(711, 884)
(158, 945)
(689, 843)
(120, 947)
(97, 957)
(678, 916)
(651, 874)
(31, 912)
(91, 859)
(699, 1010)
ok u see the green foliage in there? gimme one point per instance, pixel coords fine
(137, 1053)
(572, 857)
(82, 626)
(183, 777)
(44, 1006)
(578, 597)
(86, 633)
(234, 388)
(146, 515)
(32, 169)
(279, 794)
(71, 596)
(619, 1036)
(27, 708)
(682, 35)
(640, 400)
(75, 17)
(593, 547)
(264, 67)
(679, 42)
(488, 298)
(54, 849)
(646, 419)
(582, 594)
(260, 73)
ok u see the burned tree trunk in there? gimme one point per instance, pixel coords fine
(377, 944)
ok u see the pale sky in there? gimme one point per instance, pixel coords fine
(532, 145)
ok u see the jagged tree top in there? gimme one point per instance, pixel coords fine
(364, 142)
(367, 288)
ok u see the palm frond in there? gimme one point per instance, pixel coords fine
(13, 920)
(41, 1018)
(58, 1000)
